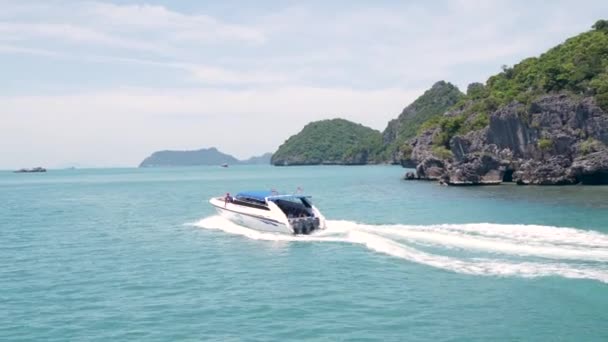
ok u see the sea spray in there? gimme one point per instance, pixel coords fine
(564, 252)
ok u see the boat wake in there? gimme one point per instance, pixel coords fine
(476, 249)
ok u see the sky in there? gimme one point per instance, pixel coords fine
(106, 83)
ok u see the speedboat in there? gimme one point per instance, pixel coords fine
(270, 212)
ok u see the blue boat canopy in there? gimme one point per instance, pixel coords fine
(261, 195)
(256, 195)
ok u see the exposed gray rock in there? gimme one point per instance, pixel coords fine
(508, 130)
(422, 145)
(591, 169)
(431, 168)
(552, 171)
(460, 147)
(409, 176)
(559, 139)
(472, 142)
(476, 170)
(592, 121)
(562, 144)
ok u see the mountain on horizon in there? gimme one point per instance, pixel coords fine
(204, 156)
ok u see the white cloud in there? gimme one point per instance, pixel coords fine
(124, 27)
(215, 75)
(181, 27)
(71, 33)
(202, 73)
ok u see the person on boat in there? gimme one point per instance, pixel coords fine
(227, 199)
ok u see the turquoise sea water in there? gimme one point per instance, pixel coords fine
(138, 254)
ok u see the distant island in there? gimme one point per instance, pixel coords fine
(543, 121)
(264, 159)
(32, 170)
(208, 156)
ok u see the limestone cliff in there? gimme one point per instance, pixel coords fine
(544, 121)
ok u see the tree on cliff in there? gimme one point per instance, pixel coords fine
(601, 25)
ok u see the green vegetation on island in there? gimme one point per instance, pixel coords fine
(335, 141)
(428, 107)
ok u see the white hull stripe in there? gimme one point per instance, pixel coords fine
(266, 220)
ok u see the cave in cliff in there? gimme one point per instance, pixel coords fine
(596, 178)
(507, 177)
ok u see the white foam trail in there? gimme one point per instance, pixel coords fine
(530, 234)
(535, 233)
(442, 237)
(579, 247)
(478, 266)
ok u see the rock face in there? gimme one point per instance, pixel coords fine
(475, 169)
(431, 168)
(508, 131)
(558, 140)
(591, 169)
(549, 171)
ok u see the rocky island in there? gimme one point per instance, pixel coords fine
(543, 121)
(32, 170)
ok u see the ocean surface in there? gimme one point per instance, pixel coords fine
(138, 254)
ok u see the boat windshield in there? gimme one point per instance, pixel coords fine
(248, 201)
(294, 206)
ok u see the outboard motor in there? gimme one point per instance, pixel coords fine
(310, 224)
(305, 229)
(305, 225)
(297, 226)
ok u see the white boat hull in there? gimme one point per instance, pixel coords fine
(255, 222)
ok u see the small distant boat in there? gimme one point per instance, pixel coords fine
(35, 169)
(270, 212)
(224, 165)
